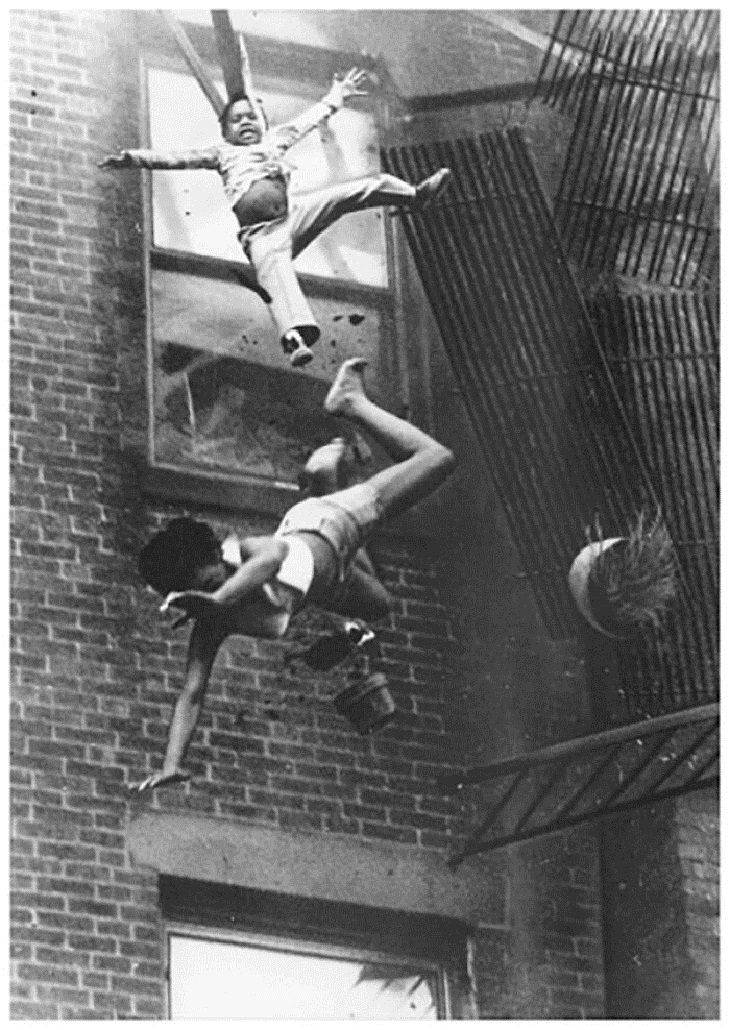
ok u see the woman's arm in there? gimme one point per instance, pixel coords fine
(205, 640)
(262, 558)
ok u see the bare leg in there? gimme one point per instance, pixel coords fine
(364, 597)
(323, 472)
(312, 213)
(422, 463)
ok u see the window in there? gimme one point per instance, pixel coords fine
(189, 209)
(238, 953)
(223, 402)
(256, 977)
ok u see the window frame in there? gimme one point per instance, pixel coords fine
(245, 490)
(304, 946)
(305, 923)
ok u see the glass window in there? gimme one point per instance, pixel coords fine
(223, 400)
(271, 978)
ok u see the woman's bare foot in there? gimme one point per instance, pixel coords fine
(348, 384)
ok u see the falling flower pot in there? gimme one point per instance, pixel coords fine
(368, 705)
(578, 579)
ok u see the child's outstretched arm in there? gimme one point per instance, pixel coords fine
(204, 157)
(343, 87)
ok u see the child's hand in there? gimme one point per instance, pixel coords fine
(349, 85)
(160, 779)
(195, 603)
(121, 160)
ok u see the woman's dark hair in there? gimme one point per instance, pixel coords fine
(172, 557)
(234, 98)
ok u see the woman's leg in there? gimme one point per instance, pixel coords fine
(422, 463)
(323, 472)
(364, 597)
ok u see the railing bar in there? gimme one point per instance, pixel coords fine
(598, 771)
(585, 745)
(636, 772)
(566, 824)
(541, 795)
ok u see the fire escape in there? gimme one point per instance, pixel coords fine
(583, 333)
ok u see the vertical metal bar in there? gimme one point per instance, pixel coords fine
(707, 397)
(588, 92)
(514, 268)
(573, 178)
(472, 238)
(665, 137)
(683, 262)
(548, 293)
(230, 54)
(620, 416)
(196, 66)
(694, 497)
(612, 113)
(635, 144)
(683, 153)
(642, 173)
(677, 461)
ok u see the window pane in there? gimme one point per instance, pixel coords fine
(225, 399)
(226, 980)
(189, 208)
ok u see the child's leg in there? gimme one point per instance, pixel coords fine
(313, 212)
(422, 463)
(270, 252)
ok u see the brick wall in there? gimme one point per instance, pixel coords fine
(94, 672)
(697, 822)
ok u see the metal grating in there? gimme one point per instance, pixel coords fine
(539, 384)
(640, 187)
(663, 355)
(578, 781)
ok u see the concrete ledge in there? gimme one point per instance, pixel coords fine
(324, 867)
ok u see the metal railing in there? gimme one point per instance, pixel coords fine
(579, 781)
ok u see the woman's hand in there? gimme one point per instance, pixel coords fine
(160, 779)
(196, 604)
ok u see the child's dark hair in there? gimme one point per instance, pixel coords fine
(172, 557)
(234, 98)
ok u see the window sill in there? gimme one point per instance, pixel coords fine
(256, 496)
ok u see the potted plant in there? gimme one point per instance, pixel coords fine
(623, 583)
